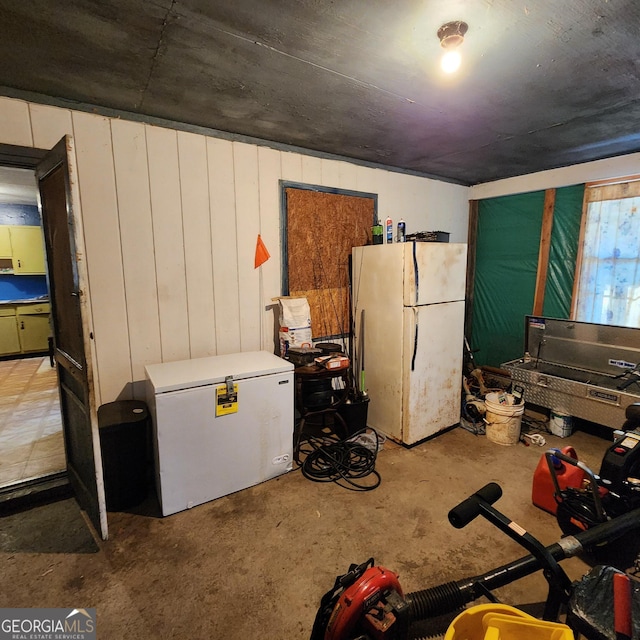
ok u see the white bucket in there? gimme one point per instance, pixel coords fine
(561, 424)
(503, 419)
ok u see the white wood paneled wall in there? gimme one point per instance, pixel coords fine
(170, 224)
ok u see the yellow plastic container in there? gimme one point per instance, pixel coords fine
(502, 622)
(501, 627)
(468, 624)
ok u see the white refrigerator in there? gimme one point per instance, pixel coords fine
(220, 424)
(408, 320)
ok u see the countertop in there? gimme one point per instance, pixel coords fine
(24, 301)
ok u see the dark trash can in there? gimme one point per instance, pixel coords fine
(354, 413)
(124, 436)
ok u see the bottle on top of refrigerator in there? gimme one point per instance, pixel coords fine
(401, 231)
(388, 226)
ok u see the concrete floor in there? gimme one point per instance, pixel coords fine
(255, 564)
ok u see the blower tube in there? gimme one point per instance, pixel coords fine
(427, 603)
(451, 596)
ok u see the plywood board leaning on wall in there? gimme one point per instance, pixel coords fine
(321, 230)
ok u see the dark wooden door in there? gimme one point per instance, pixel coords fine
(70, 347)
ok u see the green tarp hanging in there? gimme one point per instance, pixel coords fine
(564, 250)
(508, 244)
(506, 262)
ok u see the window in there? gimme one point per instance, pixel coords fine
(608, 269)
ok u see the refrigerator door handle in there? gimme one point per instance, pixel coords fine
(415, 339)
(415, 272)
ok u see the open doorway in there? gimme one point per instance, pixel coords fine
(31, 436)
(69, 308)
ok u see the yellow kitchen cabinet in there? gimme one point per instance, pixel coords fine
(5, 242)
(34, 327)
(9, 340)
(27, 250)
(6, 264)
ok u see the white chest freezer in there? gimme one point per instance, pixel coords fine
(221, 424)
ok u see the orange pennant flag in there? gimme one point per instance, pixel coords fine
(262, 255)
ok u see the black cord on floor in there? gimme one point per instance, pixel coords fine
(329, 459)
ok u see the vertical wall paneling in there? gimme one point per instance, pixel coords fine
(424, 218)
(96, 181)
(224, 245)
(416, 189)
(136, 238)
(15, 125)
(194, 189)
(49, 124)
(412, 187)
(168, 238)
(330, 173)
(393, 197)
(366, 180)
(347, 175)
(291, 164)
(374, 181)
(245, 166)
(269, 188)
(444, 203)
(311, 170)
(403, 203)
(386, 199)
(147, 249)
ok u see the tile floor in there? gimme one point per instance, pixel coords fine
(31, 443)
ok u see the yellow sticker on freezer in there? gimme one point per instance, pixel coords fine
(226, 402)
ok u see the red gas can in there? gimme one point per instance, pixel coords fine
(543, 487)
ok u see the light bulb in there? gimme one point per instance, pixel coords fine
(450, 61)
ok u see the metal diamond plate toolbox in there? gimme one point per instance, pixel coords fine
(596, 403)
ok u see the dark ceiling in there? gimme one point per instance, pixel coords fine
(544, 83)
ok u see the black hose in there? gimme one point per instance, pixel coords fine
(345, 462)
(451, 596)
(609, 531)
(434, 601)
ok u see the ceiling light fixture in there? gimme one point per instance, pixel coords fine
(451, 36)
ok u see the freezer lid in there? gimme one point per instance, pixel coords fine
(434, 272)
(198, 372)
